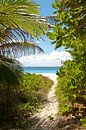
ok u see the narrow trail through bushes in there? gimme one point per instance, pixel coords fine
(45, 117)
(50, 108)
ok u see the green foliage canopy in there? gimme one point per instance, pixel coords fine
(71, 17)
(70, 32)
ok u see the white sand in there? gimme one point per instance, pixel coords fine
(49, 109)
(52, 76)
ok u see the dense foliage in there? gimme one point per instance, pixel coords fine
(34, 90)
(70, 32)
(16, 105)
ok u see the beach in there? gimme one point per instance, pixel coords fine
(52, 76)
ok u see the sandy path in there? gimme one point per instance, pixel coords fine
(45, 118)
(50, 109)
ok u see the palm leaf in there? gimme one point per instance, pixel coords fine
(10, 72)
(20, 14)
(18, 18)
(18, 49)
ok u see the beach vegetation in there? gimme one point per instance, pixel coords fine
(70, 32)
(20, 25)
(18, 104)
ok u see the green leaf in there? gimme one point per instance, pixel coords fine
(51, 35)
(54, 5)
(73, 87)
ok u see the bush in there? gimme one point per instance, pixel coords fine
(71, 85)
(21, 102)
(34, 90)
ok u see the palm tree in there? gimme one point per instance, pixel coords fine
(19, 18)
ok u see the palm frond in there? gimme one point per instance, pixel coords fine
(18, 49)
(20, 14)
(10, 72)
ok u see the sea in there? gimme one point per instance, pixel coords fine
(41, 69)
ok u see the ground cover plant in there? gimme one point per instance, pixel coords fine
(24, 101)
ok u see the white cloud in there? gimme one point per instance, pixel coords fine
(55, 58)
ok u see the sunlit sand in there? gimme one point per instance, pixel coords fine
(50, 109)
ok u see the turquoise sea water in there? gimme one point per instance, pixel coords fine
(41, 69)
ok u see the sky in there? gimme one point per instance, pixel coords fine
(55, 58)
(46, 10)
(45, 7)
(51, 57)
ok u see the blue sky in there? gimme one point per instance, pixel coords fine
(45, 7)
(50, 57)
(46, 10)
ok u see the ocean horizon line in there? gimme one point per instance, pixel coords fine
(41, 66)
(41, 69)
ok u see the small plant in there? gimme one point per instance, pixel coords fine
(83, 121)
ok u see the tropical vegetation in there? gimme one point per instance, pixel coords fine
(70, 32)
(20, 25)
(19, 104)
